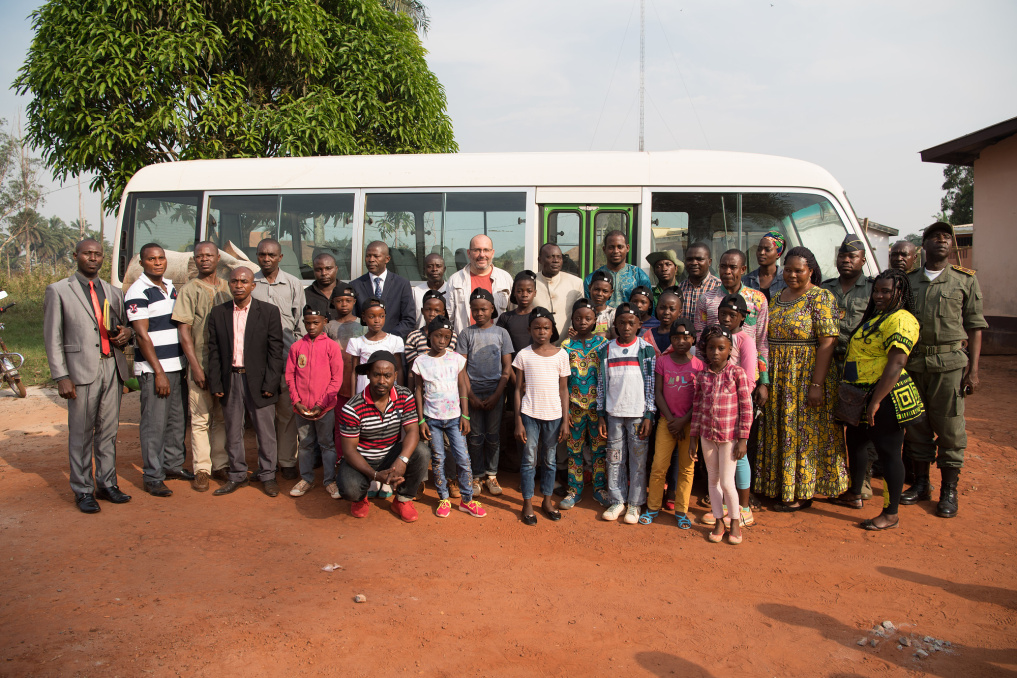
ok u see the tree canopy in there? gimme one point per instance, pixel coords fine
(120, 84)
(958, 204)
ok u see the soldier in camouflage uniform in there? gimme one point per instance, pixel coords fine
(852, 289)
(949, 306)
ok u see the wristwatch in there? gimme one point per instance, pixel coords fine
(405, 460)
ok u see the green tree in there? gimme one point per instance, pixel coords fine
(959, 202)
(120, 84)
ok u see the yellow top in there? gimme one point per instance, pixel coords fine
(871, 343)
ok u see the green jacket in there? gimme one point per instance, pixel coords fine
(947, 308)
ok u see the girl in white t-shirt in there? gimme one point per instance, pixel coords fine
(372, 316)
(440, 392)
(542, 371)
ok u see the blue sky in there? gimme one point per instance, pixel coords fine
(859, 88)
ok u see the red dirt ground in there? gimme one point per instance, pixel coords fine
(196, 585)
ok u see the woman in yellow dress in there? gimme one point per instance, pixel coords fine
(802, 446)
(876, 355)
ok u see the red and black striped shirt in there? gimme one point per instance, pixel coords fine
(377, 432)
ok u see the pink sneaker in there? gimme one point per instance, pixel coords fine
(444, 508)
(472, 507)
(405, 510)
(359, 508)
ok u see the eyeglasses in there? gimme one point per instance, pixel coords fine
(484, 250)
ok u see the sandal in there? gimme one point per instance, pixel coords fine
(849, 499)
(683, 521)
(551, 515)
(872, 527)
(648, 517)
(787, 508)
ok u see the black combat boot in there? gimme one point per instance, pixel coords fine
(947, 507)
(921, 490)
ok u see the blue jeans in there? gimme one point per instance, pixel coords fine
(484, 441)
(320, 433)
(626, 461)
(542, 438)
(450, 428)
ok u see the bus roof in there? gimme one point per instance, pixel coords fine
(655, 168)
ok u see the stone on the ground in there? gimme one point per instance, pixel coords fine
(360, 598)
(921, 654)
(888, 625)
(862, 641)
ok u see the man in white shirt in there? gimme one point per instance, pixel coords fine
(481, 272)
(434, 279)
(285, 292)
(556, 291)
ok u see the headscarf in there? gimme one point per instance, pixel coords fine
(778, 238)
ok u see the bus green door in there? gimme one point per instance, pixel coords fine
(579, 231)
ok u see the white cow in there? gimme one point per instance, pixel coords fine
(180, 266)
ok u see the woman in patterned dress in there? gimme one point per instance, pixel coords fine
(802, 448)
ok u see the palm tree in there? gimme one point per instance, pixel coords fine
(414, 9)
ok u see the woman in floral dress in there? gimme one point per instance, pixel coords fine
(802, 446)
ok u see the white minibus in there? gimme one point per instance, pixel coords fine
(420, 204)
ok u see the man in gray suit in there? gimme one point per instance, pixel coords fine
(85, 329)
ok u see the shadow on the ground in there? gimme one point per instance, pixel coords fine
(978, 593)
(977, 661)
(665, 664)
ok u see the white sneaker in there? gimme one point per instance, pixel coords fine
(613, 511)
(632, 515)
(301, 488)
(333, 490)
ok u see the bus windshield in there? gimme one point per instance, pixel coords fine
(735, 220)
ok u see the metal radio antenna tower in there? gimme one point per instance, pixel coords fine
(642, 69)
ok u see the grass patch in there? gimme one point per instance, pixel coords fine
(23, 324)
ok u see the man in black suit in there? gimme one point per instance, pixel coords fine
(245, 366)
(392, 288)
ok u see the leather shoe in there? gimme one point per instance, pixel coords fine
(158, 489)
(230, 486)
(112, 494)
(222, 474)
(182, 474)
(86, 503)
(200, 482)
(288, 472)
(271, 488)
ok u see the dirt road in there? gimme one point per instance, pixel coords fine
(197, 585)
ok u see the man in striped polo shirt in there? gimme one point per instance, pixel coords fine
(159, 366)
(379, 434)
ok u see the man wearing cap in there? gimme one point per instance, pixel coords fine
(245, 370)
(286, 292)
(852, 289)
(948, 304)
(667, 267)
(480, 272)
(318, 294)
(768, 278)
(390, 287)
(624, 276)
(903, 256)
(434, 281)
(195, 302)
(556, 290)
(699, 280)
(379, 432)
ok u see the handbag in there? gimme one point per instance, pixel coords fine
(851, 402)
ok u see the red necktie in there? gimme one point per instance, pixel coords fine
(103, 334)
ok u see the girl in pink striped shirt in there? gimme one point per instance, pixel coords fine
(721, 419)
